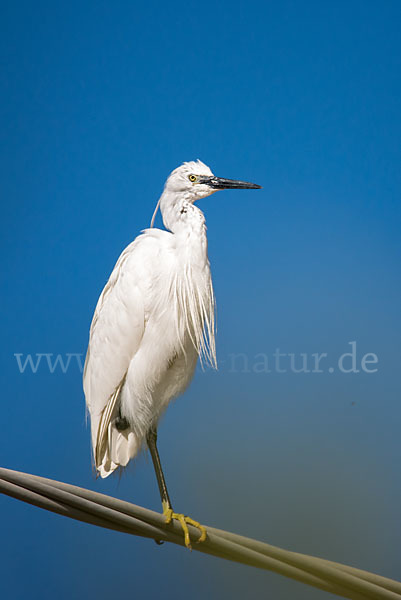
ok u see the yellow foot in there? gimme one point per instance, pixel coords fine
(185, 521)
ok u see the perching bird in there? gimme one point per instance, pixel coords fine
(153, 320)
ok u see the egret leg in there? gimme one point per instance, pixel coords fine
(165, 498)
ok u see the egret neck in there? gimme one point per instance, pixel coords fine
(187, 222)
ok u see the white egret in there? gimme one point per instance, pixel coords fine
(153, 320)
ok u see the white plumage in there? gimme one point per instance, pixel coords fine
(153, 319)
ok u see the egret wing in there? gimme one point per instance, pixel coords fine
(115, 336)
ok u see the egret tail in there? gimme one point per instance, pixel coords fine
(118, 448)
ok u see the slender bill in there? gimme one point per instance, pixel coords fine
(219, 183)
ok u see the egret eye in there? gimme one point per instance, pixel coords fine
(192, 178)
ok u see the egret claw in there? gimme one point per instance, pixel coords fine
(184, 522)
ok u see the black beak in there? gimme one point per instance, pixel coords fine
(218, 183)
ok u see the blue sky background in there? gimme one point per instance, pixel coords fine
(99, 102)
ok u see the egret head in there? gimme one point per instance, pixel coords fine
(195, 180)
(192, 181)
